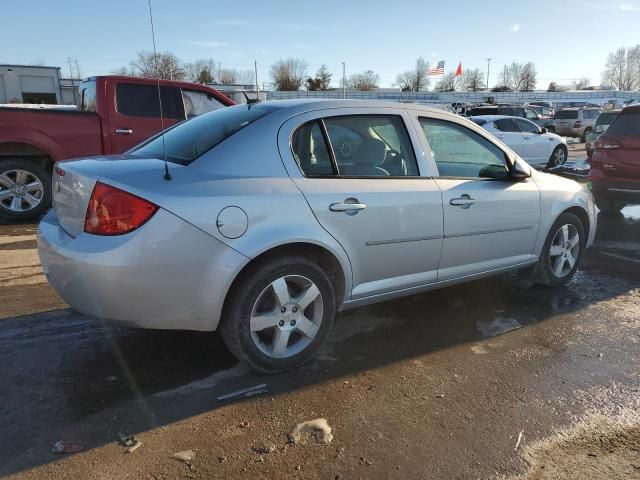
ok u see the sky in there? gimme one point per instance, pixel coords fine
(566, 39)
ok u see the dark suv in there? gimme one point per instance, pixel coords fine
(614, 177)
(514, 111)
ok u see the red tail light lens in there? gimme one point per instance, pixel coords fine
(112, 211)
(578, 124)
(607, 145)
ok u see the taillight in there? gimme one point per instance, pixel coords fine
(607, 145)
(578, 124)
(112, 211)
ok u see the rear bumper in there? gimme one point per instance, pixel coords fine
(569, 131)
(615, 188)
(165, 275)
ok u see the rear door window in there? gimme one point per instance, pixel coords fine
(506, 125)
(137, 100)
(567, 115)
(627, 124)
(526, 126)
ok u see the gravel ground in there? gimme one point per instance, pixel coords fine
(476, 381)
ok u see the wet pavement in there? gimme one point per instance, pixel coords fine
(438, 385)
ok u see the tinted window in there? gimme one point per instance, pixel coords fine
(188, 140)
(526, 126)
(371, 146)
(135, 100)
(460, 152)
(518, 112)
(567, 115)
(505, 111)
(482, 111)
(310, 150)
(87, 97)
(604, 119)
(627, 124)
(506, 125)
(197, 103)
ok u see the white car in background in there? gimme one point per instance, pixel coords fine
(532, 143)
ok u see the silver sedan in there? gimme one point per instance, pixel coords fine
(268, 219)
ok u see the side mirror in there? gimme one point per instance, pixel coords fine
(543, 130)
(520, 170)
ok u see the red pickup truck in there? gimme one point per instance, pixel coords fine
(113, 114)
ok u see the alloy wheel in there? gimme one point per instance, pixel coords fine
(20, 190)
(559, 157)
(286, 316)
(564, 250)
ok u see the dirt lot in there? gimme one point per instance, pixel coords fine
(477, 381)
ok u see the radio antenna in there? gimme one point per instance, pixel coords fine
(167, 176)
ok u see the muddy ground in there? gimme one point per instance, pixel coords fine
(439, 385)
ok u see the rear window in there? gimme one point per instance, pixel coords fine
(482, 111)
(188, 140)
(567, 115)
(479, 121)
(627, 124)
(606, 118)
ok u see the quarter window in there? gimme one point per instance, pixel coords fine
(358, 146)
(197, 103)
(526, 126)
(460, 152)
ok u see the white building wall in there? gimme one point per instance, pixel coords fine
(16, 79)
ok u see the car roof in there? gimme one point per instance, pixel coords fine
(295, 106)
(493, 118)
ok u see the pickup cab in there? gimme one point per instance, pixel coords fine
(113, 114)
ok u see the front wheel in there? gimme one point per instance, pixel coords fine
(558, 157)
(562, 251)
(279, 313)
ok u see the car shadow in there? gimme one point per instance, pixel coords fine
(65, 375)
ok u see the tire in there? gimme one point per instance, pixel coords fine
(554, 267)
(28, 203)
(585, 134)
(554, 161)
(606, 205)
(253, 302)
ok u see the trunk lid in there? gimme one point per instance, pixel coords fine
(74, 181)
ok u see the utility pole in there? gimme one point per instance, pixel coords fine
(255, 66)
(70, 67)
(77, 69)
(344, 81)
(488, 70)
(219, 72)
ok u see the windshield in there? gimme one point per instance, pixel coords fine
(190, 139)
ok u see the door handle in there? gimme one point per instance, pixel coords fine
(464, 201)
(124, 131)
(350, 206)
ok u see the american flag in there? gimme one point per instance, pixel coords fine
(437, 69)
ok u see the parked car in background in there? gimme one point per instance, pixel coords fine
(280, 214)
(113, 114)
(541, 103)
(614, 177)
(514, 111)
(576, 122)
(532, 143)
(544, 112)
(603, 121)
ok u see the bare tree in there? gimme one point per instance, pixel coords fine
(415, 80)
(447, 83)
(528, 77)
(622, 69)
(162, 65)
(124, 71)
(201, 71)
(365, 81)
(289, 74)
(581, 83)
(472, 80)
(554, 87)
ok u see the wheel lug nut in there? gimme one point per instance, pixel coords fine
(281, 323)
(293, 322)
(295, 309)
(283, 309)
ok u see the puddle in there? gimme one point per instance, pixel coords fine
(497, 326)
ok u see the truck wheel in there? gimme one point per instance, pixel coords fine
(562, 251)
(606, 205)
(25, 189)
(279, 313)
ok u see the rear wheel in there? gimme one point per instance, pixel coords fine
(606, 205)
(562, 251)
(279, 313)
(558, 157)
(25, 190)
(586, 133)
